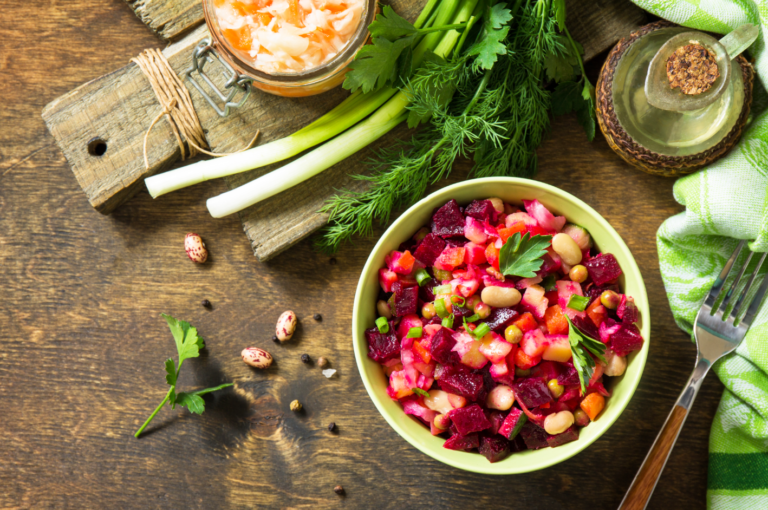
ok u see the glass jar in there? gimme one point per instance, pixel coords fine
(305, 83)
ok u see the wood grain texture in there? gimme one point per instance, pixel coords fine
(118, 108)
(168, 18)
(640, 491)
(82, 342)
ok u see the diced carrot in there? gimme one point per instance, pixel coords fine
(406, 261)
(544, 406)
(592, 405)
(557, 323)
(423, 353)
(264, 18)
(526, 322)
(517, 227)
(240, 38)
(292, 14)
(524, 362)
(597, 312)
(492, 255)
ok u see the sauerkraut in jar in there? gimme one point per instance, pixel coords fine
(288, 36)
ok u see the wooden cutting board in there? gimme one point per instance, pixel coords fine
(113, 112)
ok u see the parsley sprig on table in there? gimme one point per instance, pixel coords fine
(488, 100)
(581, 347)
(188, 345)
(522, 256)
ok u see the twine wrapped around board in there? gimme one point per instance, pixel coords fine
(174, 97)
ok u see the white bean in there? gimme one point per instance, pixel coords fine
(500, 297)
(286, 325)
(567, 249)
(501, 397)
(383, 308)
(558, 423)
(616, 365)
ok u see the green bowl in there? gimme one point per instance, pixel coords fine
(514, 191)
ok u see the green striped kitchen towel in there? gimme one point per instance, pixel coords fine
(725, 202)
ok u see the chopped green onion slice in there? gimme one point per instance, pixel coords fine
(459, 300)
(440, 309)
(414, 333)
(422, 276)
(419, 391)
(472, 318)
(442, 274)
(481, 330)
(448, 321)
(382, 324)
(578, 303)
(442, 289)
(549, 283)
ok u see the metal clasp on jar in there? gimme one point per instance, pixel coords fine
(205, 53)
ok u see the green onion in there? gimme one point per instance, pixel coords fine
(351, 140)
(440, 308)
(458, 300)
(472, 318)
(578, 303)
(422, 276)
(442, 274)
(419, 391)
(448, 321)
(481, 330)
(382, 324)
(414, 333)
(442, 289)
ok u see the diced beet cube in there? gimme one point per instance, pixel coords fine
(534, 436)
(517, 444)
(626, 340)
(463, 383)
(494, 448)
(456, 242)
(448, 220)
(500, 318)
(572, 434)
(459, 442)
(546, 370)
(627, 310)
(568, 375)
(461, 311)
(497, 419)
(513, 423)
(603, 268)
(469, 419)
(382, 347)
(442, 345)
(482, 210)
(406, 301)
(532, 392)
(586, 327)
(429, 249)
(594, 291)
(572, 391)
(425, 292)
(434, 320)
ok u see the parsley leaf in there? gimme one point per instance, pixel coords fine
(558, 9)
(581, 347)
(490, 43)
(188, 345)
(571, 96)
(376, 65)
(521, 256)
(391, 25)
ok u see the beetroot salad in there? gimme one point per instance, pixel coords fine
(498, 327)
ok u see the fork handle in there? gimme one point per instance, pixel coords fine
(642, 487)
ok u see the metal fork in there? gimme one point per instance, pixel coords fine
(717, 334)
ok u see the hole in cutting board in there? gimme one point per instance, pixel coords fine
(97, 147)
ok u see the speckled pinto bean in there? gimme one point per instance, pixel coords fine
(286, 326)
(257, 358)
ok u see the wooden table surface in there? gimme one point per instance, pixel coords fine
(82, 343)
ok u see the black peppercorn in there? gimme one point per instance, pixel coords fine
(339, 490)
(332, 427)
(305, 358)
(275, 339)
(206, 303)
(318, 317)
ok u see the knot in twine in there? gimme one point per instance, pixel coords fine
(174, 97)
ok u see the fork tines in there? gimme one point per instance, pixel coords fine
(741, 303)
